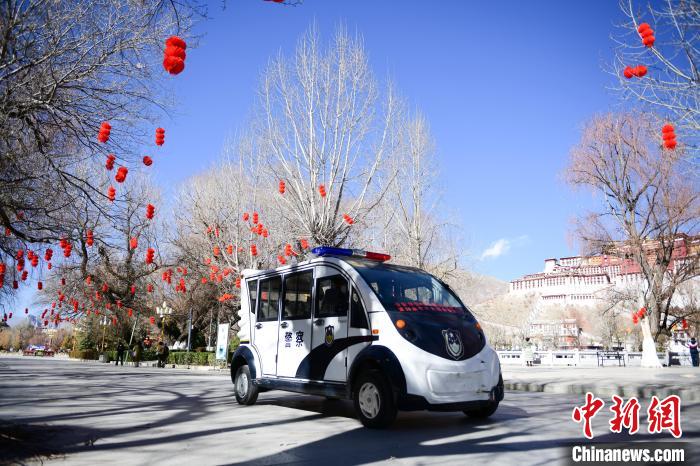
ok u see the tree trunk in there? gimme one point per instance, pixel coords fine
(649, 357)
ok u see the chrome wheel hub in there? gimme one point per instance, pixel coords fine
(242, 384)
(369, 400)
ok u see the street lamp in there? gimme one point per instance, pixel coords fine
(163, 312)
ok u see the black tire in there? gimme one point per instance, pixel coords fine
(484, 412)
(374, 400)
(246, 392)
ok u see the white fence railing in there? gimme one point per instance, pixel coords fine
(586, 358)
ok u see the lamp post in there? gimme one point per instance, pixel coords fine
(163, 312)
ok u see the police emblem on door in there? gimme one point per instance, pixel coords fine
(453, 343)
(329, 335)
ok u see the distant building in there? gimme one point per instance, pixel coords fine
(579, 280)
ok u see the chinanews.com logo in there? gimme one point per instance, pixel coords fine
(662, 416)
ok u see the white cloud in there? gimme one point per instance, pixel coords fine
(502, 246)
(497, 249)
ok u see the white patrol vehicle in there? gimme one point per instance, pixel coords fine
(347, 325)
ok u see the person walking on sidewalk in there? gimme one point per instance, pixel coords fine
(163, 351)
(693, 346)
(121, 349)
(528, 353)
(138, 352)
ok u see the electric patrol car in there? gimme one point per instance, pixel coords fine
(345, 324)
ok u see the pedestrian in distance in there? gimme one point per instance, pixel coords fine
(138, 353)
(160, 352)
(528, 353)
(693, 346)
(121, 349)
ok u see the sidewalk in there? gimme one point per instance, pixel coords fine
(606, 381)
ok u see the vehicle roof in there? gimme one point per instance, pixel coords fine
(353, 262)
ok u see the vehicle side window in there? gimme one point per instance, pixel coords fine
(269, 299)
(358, 318)
(297, 296)
(252, 295)
(332, 296)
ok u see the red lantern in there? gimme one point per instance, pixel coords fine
(39, 286)
(150, 211)
(160, 136)
(120, 177)
(130, 312)
(322, 190)
(216, 251)
(89, 238)
(24, 275)
(282, 260)
(628, 72)
(109, 164)
(67, 250)
(255, 217)
(684, 324)
(245, 216)
(260, 229)
(282, 187)
(253, 250)
(133, 289)
(640, 71)
(103, 135)
(647, 34)
(635, 319)
(149, 288)
(15, 285)
(150, 252)
(229, 249)
(668, 134)
(105, 288)
(147, 161)
(174, 55)
(642, 312)
(88, 280)
(153, 320)
(348, 219)
(134, 243)
(238, 282)
(111, 193)
(304, 244)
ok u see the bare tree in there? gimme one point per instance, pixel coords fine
(672, 85)
(650, 204)
(325, 128)
(66, 66)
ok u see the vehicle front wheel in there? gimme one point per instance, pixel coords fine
(374, 400)
(483, 412)
(246, 392)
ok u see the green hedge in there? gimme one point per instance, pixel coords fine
(192, 358)
(84, 354)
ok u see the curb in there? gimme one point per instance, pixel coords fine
(607, 390)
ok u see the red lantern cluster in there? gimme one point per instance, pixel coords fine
(639, 71)
(304, 243)
(160, 136)
(283, 187)
(120, 177)
(105, 129)
(229, 249)
(225, 297)
(238, 282)
(348, 219)
(216, 251)
(668, 133)
(181, 287)
(66, 246)
(253, 250)
(322, 190)
(640, 314)
(647, 34)
(134, 243)
(111, 193)
(89, 238)
(150, 211)
(147, 161)
(282, 260)
(150, 253)
(174, 55)
(109, 164)
(288, 251)
(246, 216)
(255, 217)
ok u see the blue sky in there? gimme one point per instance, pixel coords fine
(506, 87)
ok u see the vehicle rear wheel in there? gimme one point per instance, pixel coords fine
(483, 412)
(374, 400)
(246, 392)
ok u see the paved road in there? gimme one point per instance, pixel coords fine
(90, 413)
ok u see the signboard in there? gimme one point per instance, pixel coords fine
(222, 342)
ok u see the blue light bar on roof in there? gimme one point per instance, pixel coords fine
(329, 251)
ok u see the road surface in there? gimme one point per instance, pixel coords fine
(68, 412)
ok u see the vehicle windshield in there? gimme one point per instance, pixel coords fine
(404, 289)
